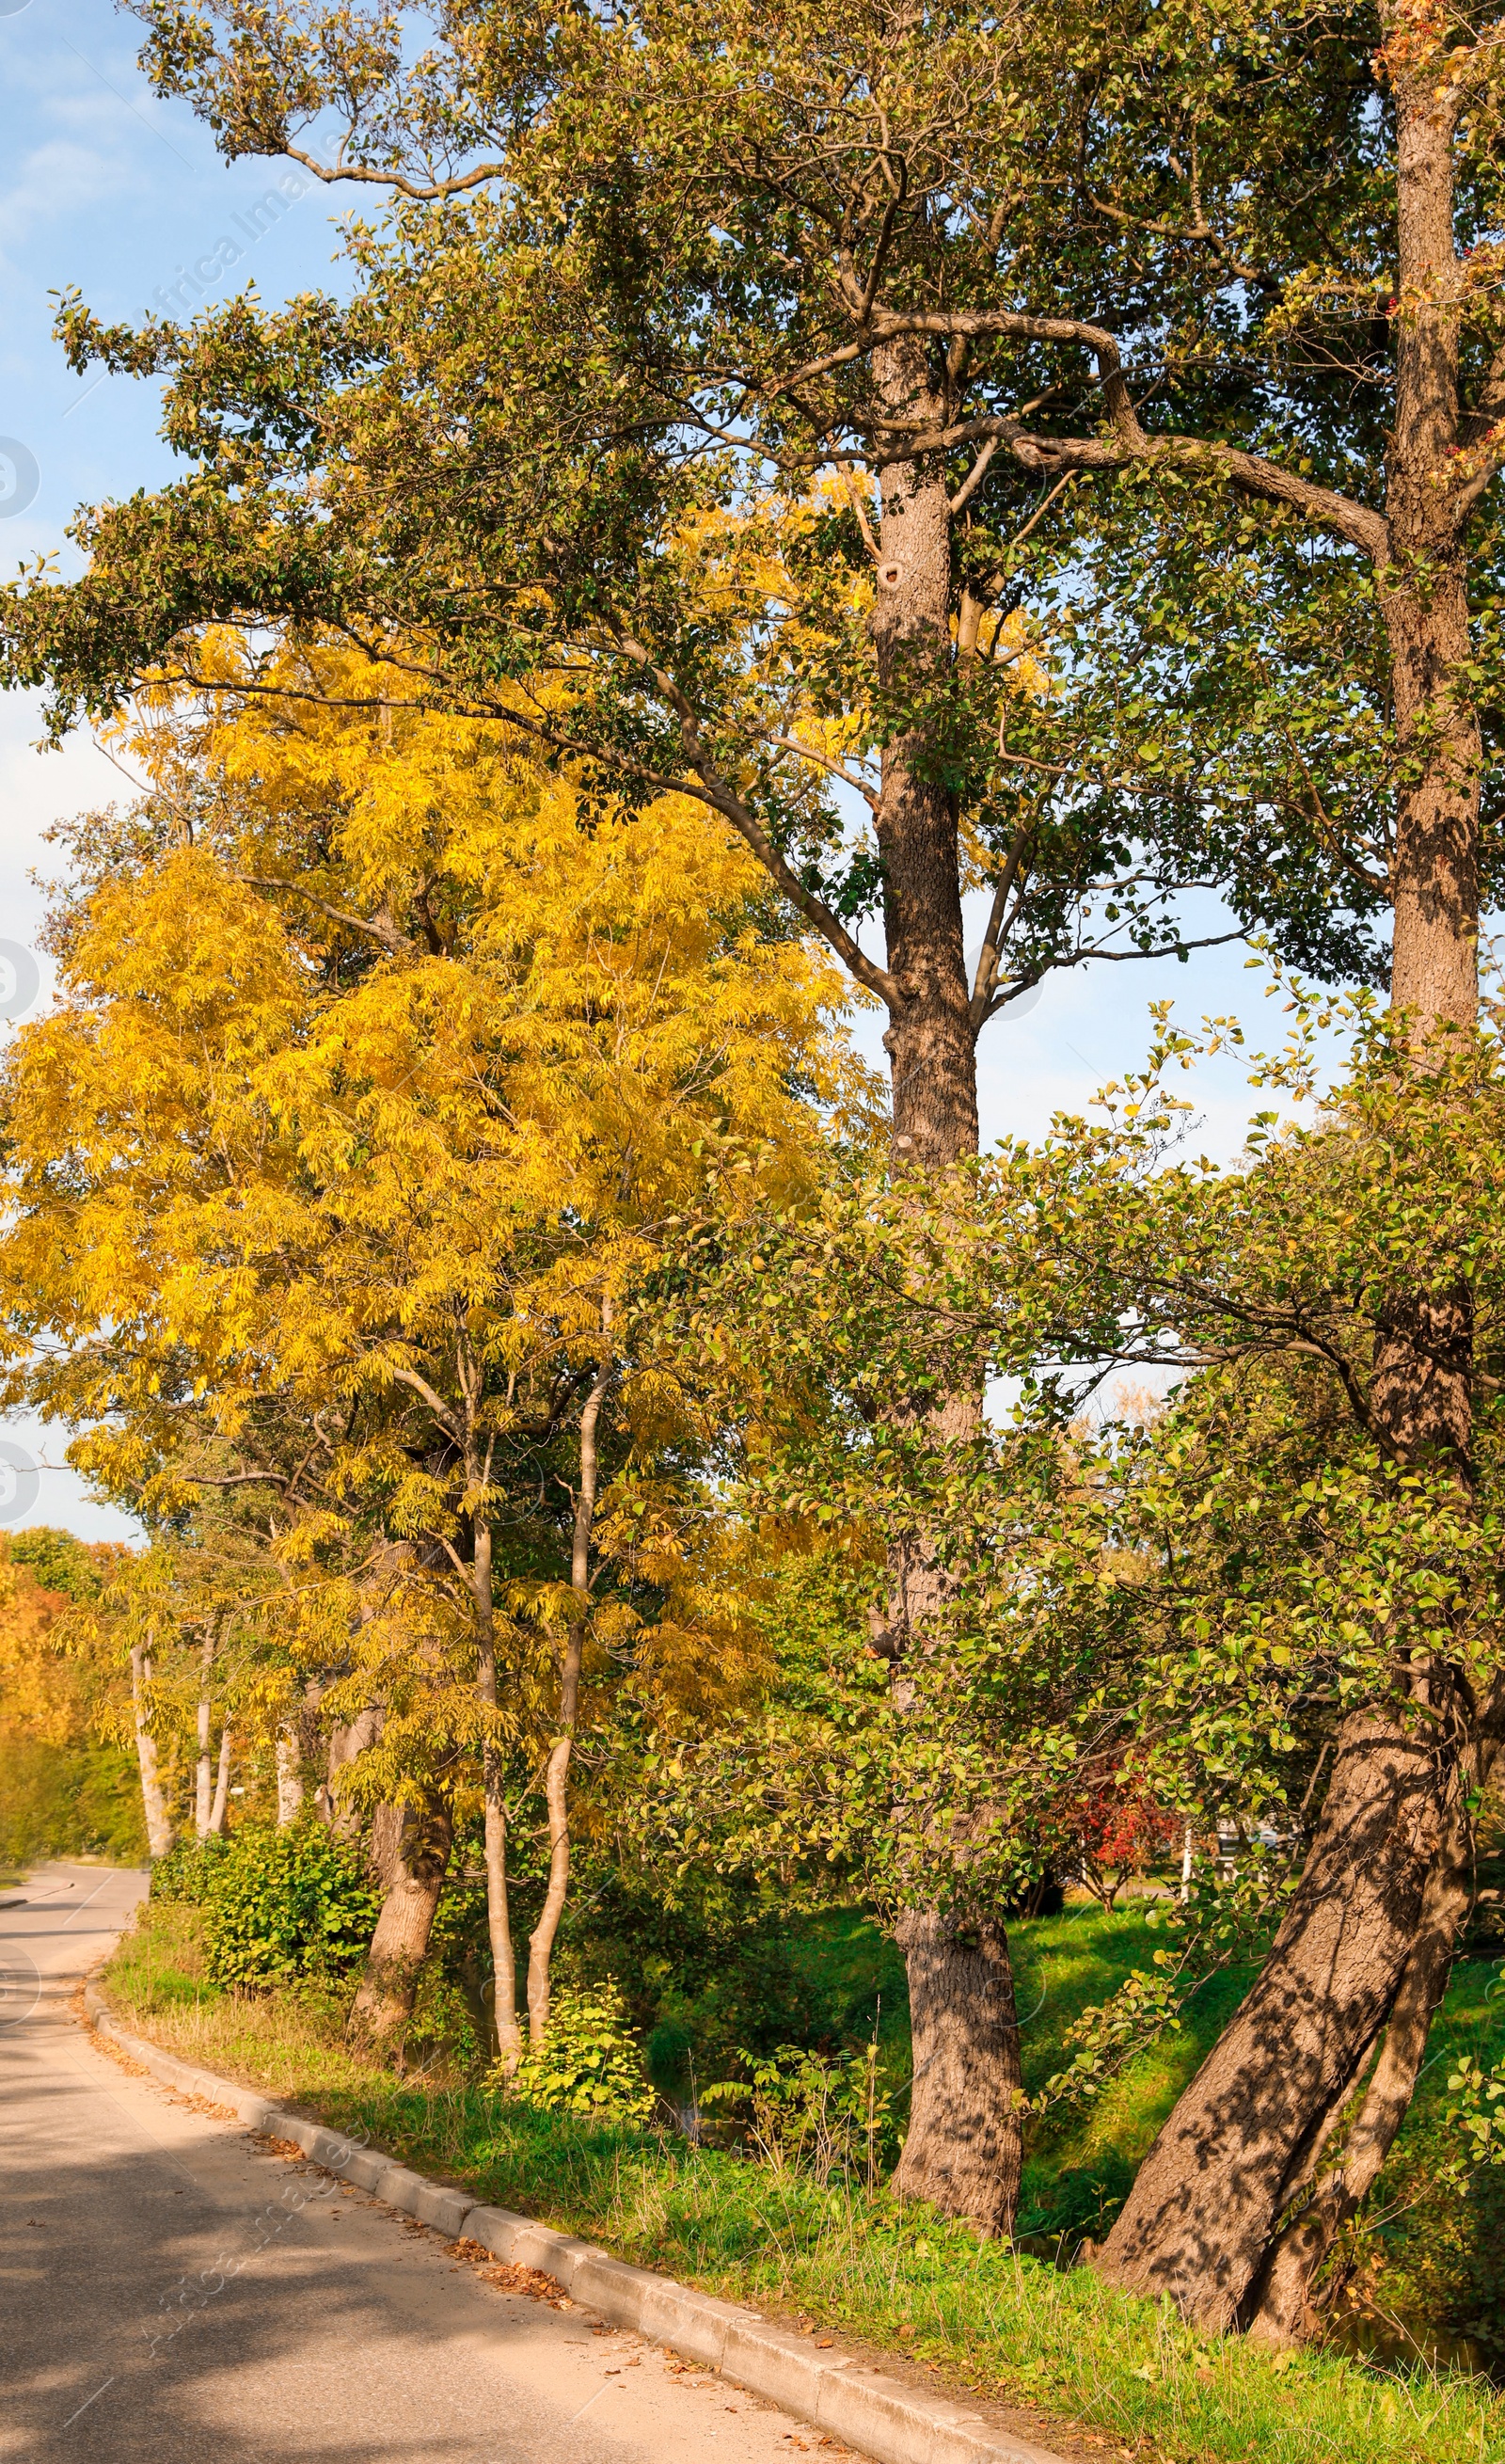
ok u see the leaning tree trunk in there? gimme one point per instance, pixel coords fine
(1279, 2304)
(414, 1847)
(1210, 2192)
(963, 2149)
(154, 1804)
(1363, 1956)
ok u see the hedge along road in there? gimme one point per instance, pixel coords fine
(172, 2290)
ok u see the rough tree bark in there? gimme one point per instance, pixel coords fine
(931, 1039)
(1199, 2221)
(1364, 1953)
(410, 1852)
(541, 1941)
(347, 1740)
(963, 2149)
(1280, 2303)
(154, 1805)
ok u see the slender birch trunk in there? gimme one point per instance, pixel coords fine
(541, 1941)
(205, 1770)
(499, 1913)
(221, 1784)
(154, 1805)
(290, 1773)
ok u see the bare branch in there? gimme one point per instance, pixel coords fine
(425, 194)
(1099, 951)
(379, 930)
(974, 477)
(726, 800)
(823, 762)
(988, 955)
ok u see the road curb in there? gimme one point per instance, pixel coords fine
(835, 2391)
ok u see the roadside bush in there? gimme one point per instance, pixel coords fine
(185, 1875)
(285, 1903)
(589, 2063)
(712, 1973)
(812, 2116)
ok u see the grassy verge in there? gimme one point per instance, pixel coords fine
(983, 2318)
(1421, 2264)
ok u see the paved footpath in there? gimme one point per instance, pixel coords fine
(173, 2292)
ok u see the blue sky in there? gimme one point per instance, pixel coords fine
(125, 197)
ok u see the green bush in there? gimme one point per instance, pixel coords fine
(813, 2116)
(285, 1903)
(589, 2063)
(187, 1872)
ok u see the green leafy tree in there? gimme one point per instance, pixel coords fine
(1252, 1608)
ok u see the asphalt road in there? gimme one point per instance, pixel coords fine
(174, 2291)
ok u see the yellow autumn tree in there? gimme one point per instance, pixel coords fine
(65, 1787)
(381, 1058)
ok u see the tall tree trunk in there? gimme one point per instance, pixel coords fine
(289, 1775)
(498, 1914)
(541, 1941)
(498, 1911)
(154, 1805)
(204, 1777)
(1364, 1949)
(347, 1740)
(963, 2149)
(217, 1809)
(384, 1854)
(416, 1851)
(931, 1041)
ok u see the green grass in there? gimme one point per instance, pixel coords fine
(1422, 2264)
(985, 2316)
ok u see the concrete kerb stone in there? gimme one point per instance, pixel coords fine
(365, 2167)
(834, 2391)
(445, 2209)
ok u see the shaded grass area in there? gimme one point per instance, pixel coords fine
(985, 2316)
